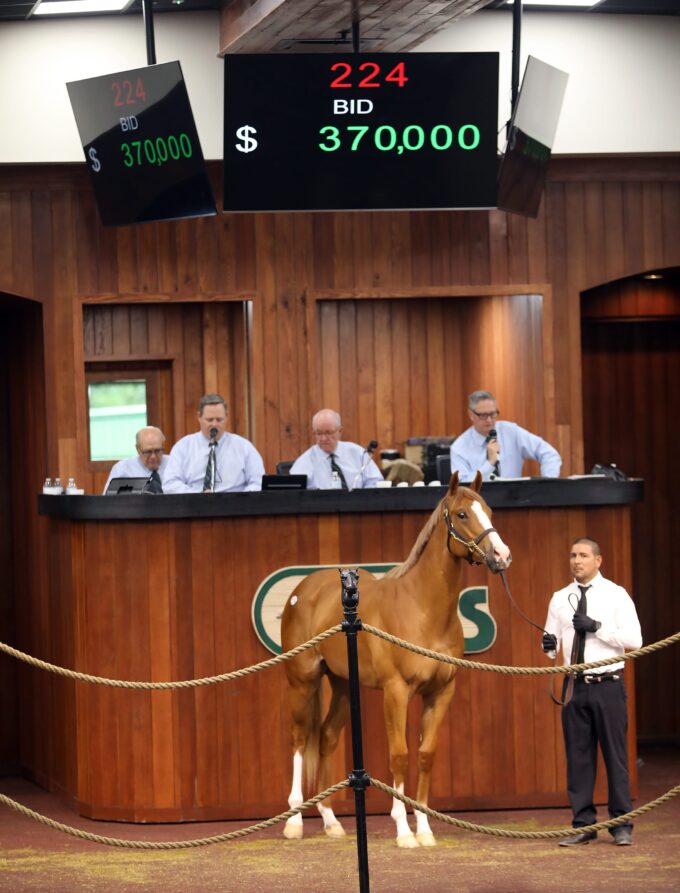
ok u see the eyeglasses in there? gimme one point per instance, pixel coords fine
(484, 416)
(151, 452)
(326, 433)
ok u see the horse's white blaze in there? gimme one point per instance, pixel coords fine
(499, 546)
(295, 798)
(399, 815)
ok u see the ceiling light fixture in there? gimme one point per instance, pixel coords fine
(561, 4)
(77, 7)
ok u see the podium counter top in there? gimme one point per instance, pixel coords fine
(500, 494)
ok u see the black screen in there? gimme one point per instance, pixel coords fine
(360, 132)
(141, 145)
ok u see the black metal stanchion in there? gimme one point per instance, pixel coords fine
(358, 778)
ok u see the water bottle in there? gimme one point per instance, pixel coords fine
(336, 483)
(71, 486)
(57, 487)
(47, 486)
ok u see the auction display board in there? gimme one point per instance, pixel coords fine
(141, 145)
(361, 132)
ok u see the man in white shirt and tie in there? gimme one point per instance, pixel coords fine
(237, 464)
(593, 618)
(332, 462)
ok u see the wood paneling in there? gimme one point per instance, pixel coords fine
(204, 346)
(140, 600)
(602, 219)
(631, 400)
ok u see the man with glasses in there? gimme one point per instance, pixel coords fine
(498, 449)
(149, 461)
(332, 462)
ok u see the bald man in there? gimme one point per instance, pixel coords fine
(333, 462)
(148, 463)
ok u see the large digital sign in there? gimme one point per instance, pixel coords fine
(141, 145)
(360, 132)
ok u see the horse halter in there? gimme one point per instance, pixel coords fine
(472, 545)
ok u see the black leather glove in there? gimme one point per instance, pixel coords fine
(549, 642)
(584, 624)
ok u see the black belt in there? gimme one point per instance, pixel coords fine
(596, 678)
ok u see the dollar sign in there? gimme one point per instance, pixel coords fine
(96, 163)
(244, 133)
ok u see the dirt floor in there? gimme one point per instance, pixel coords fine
(35, 858)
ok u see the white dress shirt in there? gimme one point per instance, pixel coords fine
(350, 457)
(611, 606)
(239, 465)
(133, 468)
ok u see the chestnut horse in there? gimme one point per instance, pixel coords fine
(418, 601)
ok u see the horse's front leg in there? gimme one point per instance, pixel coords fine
(434, 710)
(396, 698)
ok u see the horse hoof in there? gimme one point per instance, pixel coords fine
(335, 830)
(426, 838)
(407, 842)
(292, 832)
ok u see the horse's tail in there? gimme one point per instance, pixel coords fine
(310, 758)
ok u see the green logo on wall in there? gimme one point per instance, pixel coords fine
(479, 627)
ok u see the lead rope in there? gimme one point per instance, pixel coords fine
(558, 701)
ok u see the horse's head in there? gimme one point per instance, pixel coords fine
(470, 534)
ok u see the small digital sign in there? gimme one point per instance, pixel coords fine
(382, 131)
(141, 145)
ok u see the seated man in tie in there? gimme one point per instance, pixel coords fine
(213, 459)
(148, 463)
(332, 462)
(498, 449)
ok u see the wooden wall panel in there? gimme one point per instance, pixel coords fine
(631, 400)
(223, 751)
(399, 368)
(601, 219)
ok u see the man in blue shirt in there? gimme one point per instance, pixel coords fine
(238, 465)
(334, 462)
(498, 449)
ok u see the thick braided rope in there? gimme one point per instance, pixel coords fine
(186, 683)
(519, 671)
(169, 844)
(525, 835)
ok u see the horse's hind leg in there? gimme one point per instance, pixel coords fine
(336, 718)
(396, 698)
(305, 708)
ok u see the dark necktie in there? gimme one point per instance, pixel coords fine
(209, 480)
(154, 484)
(580, 635)
(578, 647)
(335, 467)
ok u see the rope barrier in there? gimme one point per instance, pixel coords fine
(169, 844)
(519, 671)
(525, 835)
(187, 683)
(288, 655)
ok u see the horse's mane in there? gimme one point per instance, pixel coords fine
(423, 538)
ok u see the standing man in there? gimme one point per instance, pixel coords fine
(351, 463)
(148, 463)
(498, 449)
(213, 460)
(594, 618)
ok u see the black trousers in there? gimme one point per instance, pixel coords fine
(596, 713)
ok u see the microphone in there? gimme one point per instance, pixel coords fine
(367, 455)
(213, 435)
(492, 437)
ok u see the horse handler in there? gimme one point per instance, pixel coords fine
(593, 618)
